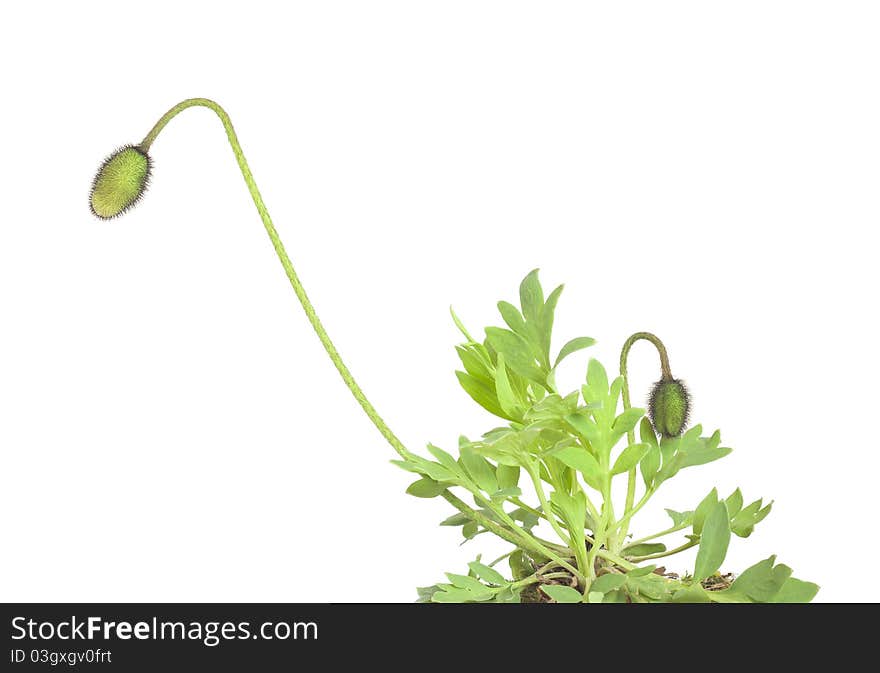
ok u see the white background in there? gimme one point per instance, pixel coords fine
(170, 428)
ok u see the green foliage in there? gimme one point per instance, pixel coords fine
(565, 450)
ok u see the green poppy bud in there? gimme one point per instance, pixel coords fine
(120, 182)
(669, 407)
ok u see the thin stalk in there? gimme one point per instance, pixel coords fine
(500, 558)
(528, 508)
(545, 505)
(648, 538)
(283, 257)
(666, 374)
(515, 535)
(624, 520)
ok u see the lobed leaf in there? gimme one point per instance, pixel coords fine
(579, 459)
(486, 573)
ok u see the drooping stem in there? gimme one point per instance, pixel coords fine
(309, 309)
(511, 532)
(507, 528)
(666, 375)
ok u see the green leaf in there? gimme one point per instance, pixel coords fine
(520, 566)
(512, 317)
(457, 519)
(562, 594)
(745, 521)
(762, 581)
(545, 330)
(473, 365)
(517, 353)
(597, 380)
(407, 465)
(435, 471)
(703, 509)
(486, 573)
(734, 503)
(584, 427)
(578, 458)
(445, 459)
(528, 519)
(650, 464)
(426, 593)
(645, 549)
(615, 597)
(504, 493)
(670, 462)
(460, 325)
(646, 432)
(629, 458)
(595, 597)
(680, 518)
(696, 450)
(508, 476)
(626, 421)
(608, 582)
(506, 397)
(796, 591)
(531, 297)
(482, 394)
(714, 541)
(573, 346)
(456, 595)
(572, 509)
(479, 470)
(508, 594)
(425, 488)
(641, 571)
(694, 593)
(763, 512)
(647, 585)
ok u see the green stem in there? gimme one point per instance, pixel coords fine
(528, 508)
(500, 558)
(648, 538)
(545, 505)
(515, 535)
(666, 374)
(624, 520)
(312, 316)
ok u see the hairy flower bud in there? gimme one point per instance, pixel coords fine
(120, 182)
(669, 407)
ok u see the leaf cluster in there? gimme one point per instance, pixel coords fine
(550, 467)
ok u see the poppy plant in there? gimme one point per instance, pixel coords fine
(548, 470)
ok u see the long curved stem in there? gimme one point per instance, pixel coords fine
(309, 309)
(666, 374)
(511, 532)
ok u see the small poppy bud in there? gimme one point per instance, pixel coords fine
(120, 182)
(669, 407)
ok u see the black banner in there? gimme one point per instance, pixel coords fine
(135, 637)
